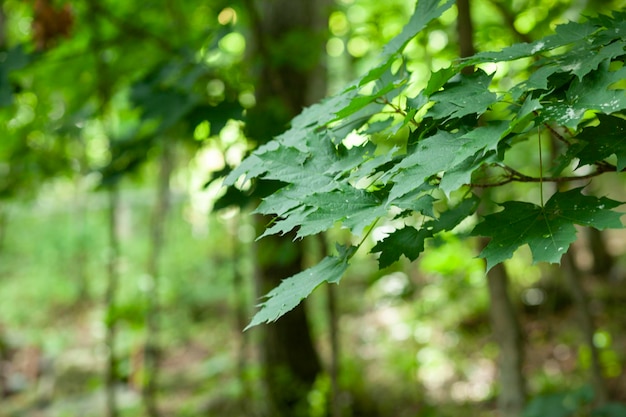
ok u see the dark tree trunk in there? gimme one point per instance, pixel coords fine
(290, 360)
(504, 319)
(333, 322)
(242, 313)
(506, 331)
(573, 277)
(286, 34)
(603, 261)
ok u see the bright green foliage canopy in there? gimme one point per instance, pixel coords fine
(461, 129)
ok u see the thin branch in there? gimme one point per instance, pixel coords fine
(516, 176)
(397, 109)
(556, 134)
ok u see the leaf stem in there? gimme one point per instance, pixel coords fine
(365, 236)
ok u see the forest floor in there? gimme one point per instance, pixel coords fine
(199, 371)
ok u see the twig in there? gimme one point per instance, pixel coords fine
(516, 176)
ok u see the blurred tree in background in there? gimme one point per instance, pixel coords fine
(127, 273)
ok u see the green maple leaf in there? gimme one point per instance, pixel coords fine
(425, 12)
(293, 290)
(280, 202)
(318, 212)
(483, 138)
(355, 208)
(469, 95)
(409, 241)
(604, 140)
(461, 174)
(417, 202)
(432, 155)
(565, 34)
(548, 230)
(595, 90)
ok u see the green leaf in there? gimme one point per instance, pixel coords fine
(549, 230)
(357, 209)
(439, 78)
(361, 101)
(409, 241)
(293, 290)
(604, 140)
(565, 35)
(425, 12)
(461, 174)
(432, 155)
(595, 92)
(468, 95)
(592, 93)
(483, 138)
(417, 202)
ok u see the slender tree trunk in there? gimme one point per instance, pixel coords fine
(290, 361)
(603, 261)
(573, 277)
(504, 321)
(241, 313)
(333, 321)
(151, 348)
(110, 376)
(465, 28)
(506, 330)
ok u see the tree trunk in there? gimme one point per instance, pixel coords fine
(506, 330)
(603, 261)
(242, 312)
(504, 322)
(151, 348)
(290, 361)
(573, 277)
(286, 33)
(333, 321)
(110, 376)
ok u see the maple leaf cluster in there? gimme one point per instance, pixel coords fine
(422, 156)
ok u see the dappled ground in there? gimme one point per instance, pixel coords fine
(415, 341)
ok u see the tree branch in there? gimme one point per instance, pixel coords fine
(516, 176)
